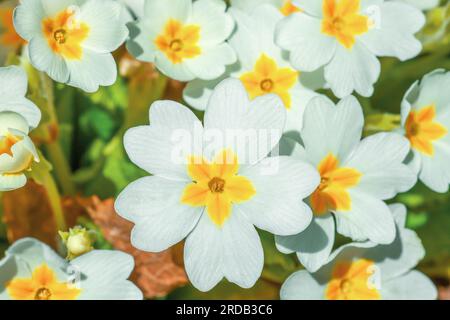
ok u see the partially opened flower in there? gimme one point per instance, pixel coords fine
(365, 271)
(286, 7)
(422, 4)
(17, 116)
(72, 40)
(426, 120)
(31, 270)
(212, 185)
(356, 176)
(184, 38)
(263, 67)
(346, 36)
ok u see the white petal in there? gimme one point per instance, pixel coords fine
(379, 158)
(314, 245)
(160, 11)
(178, 71)
(233, 251)
(330, 129)
(392, 36)
(370, 216)
(212, 62)
(13, 83)
(399, 257)
(216, 25)
(302, 286)
(435, 171)
(281, 184)
(102, 275)
(106, 29)
(198, 92)
(311, 7)
(251, 129)
(34, 253)
(431, 88)
(352, 70)
(24, 107)
(409, 98)
(301, 97)
(263, 18)
(163, 147)
(28, 18)
(92, 70)
(10, 268)
(12, 182)
(44, 59)
(309, 47)
(412, 286)
(154, 205)
(123, 290)
(52, 8)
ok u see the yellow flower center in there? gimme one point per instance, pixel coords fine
(7, 142)
(65, 35)
(341, 19)
(43, 285)
(8, 34)
(216, 185)
(178, 41)
(288, 8)
(332, 193)
(422, 130)
(352, 281)
(267, 77)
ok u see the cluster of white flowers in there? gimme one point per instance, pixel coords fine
(254, 69)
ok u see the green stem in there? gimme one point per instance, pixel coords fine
(61, 167)
(55, 201)
(54, 151)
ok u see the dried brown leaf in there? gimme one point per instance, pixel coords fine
(27, 213)
(156, 274)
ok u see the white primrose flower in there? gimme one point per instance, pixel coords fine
(423, 4)
(18, 116)
(218, 186)
(184, 38)
(263, 67)
(365, 271)
(426, 121)
(286, 7)
(31, 270)
(346, 36)
(72, 40)
(356, 176)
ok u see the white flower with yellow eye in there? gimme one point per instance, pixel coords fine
(262, 67)
(365, 271)
(72, 40)
(286, 7)
(356, 176)
(17, 116)
(423, 4)
(184, 38)
(346, 36)
(221, 186)
(31, 270)
(426, 120)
